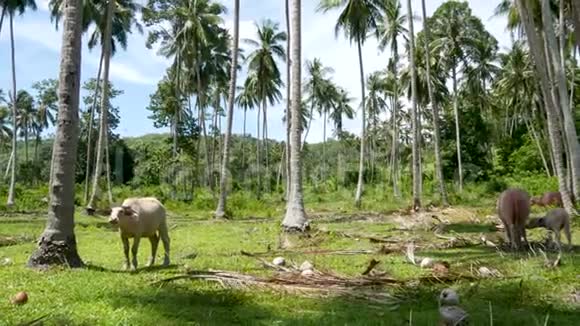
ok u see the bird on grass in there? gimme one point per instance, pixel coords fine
(450, 313)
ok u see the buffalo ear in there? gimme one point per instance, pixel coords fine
(127, 210)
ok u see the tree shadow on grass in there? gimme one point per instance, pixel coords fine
(470, 228)
(145, 269)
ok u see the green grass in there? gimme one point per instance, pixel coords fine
(102, 294)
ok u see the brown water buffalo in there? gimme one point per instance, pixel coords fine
(551, 198)
(513, 209)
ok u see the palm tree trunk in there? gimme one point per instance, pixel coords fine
(26, 141)
(201, 106)
(10, 200)
(279, 174)
(537, 46)
(288, 100)
(339, 164)
(359, 186)
(395, 145)
(414, 115)
(323, 174)
(457, 132)
(265, 139)
(220, 211)
(571, 138)
(103, 125)
(9, 165)
(57, 243)
(258, 161)
(243, 140)
(2, 17)
(90, 131)
(435, 107)
(531, 129)
(309, 124)
(108, 171)
(295, 219)
(36, 143)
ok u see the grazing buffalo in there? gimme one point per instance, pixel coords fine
(555, 221)
(552, 198)
(513, 209)
(141, 217)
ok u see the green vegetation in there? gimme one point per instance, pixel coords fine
(102, 294)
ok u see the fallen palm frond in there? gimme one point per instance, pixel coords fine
(370, 237)
(346, 252)
(316, 284)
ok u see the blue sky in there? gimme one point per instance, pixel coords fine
(137, 70)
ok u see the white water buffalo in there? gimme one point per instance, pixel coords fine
(141, 217)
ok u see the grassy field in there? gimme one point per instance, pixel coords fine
(102, 294)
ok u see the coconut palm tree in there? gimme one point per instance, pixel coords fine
(435, 108)
(25, 117)
(220, 211)
(455, 33)
(246, 100)
(341, 108)
(414, 113)
(316, 88)
(57, 244)
(295, 218)
(537, 45)
(390, 28)
(12, 7)
(357, 19)
(103, 127)
(267, 48)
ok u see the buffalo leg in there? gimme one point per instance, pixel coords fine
(154, 243)
(126, 251)
(134, 250)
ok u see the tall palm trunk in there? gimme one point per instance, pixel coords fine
(532, 131)
(414, 115)
(103, 132)
(295, 219)
(309, 123)
(10, 200)
(220, 211)
(288, 99)
(201, 107)
(2, 14)
(265, 141)
(26, 141)
(536, 43)
(258, 160)
(323, 174)
(395, 127)
(359, 186)
(571, 138)
(435, 107)
(457, 132)
(57, 243)
(243, 140)
(90, 130)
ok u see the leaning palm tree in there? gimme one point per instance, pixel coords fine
(220, 211)
(357, 19)
(12, 7)
(267, 49)
(57, 243)
(295, 218)
(542, 64)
